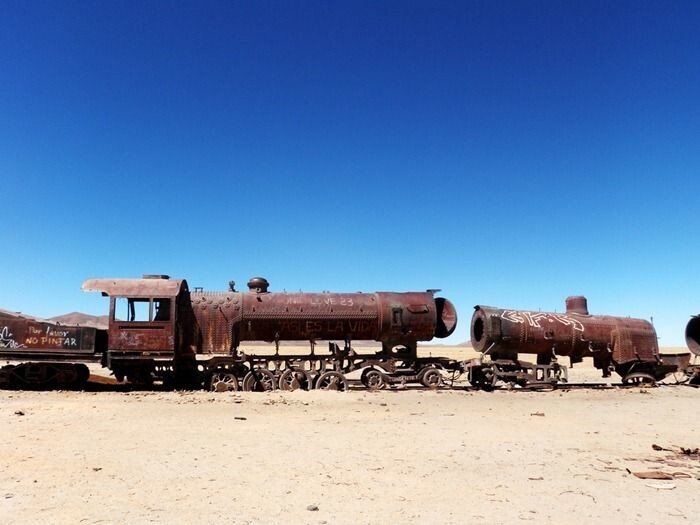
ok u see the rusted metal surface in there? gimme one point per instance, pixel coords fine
(23, 336)
(161, 296)
(692, 339)
(156, 328)
(619, 342)
(151, 286)
(228, 318)
(48, 351)
(692, 334)
(160, 343)
(577, 304)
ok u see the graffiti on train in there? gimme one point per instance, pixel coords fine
(535, 319)
(7, 339)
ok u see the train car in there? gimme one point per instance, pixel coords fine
(622, 344)
(53, 355)
(160, 330)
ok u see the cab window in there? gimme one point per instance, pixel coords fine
(132, 310)
(141, 310)
(161, 309)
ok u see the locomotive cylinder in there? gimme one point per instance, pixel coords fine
(228, 318)
(504, 333)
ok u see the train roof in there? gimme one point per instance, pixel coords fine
(160, 287)
(19, 315)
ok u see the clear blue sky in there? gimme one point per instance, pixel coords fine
(510, 153)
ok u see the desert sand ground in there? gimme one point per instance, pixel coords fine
(411, 456)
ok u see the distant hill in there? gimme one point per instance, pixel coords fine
(464, 343)
(81, 319)
(72, 319)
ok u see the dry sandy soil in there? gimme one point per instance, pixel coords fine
(358, 457)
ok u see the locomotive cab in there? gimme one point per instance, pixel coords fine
(149, 326)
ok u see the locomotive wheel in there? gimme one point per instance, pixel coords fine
(140, 377)
(294, 379)
(259, 380)
(430, 377)
(694, 379)
(223, 381)
(639, 379)
(83, 375)
(374, 379)
(332, 381)
(45, 375)
(482, 379)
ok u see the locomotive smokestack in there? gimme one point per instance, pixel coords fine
(577, 304)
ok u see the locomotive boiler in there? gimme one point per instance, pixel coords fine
(395, 319)
(625, 345)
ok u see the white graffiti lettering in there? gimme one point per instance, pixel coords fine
(331, 300)
(513, 316)
(535, 319)
(7, 339)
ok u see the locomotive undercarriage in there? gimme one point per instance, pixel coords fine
(643, 372)
(514, 372)
(44, 375)
(693, 374)
(490, 374)
(337, 370)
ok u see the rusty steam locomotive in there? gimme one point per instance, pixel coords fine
(621, 344)
(159, 330)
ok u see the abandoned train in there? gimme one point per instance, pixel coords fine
(159, 330)
(622, 344)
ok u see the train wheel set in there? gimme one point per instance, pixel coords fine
(296, 375)
(48, 375)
